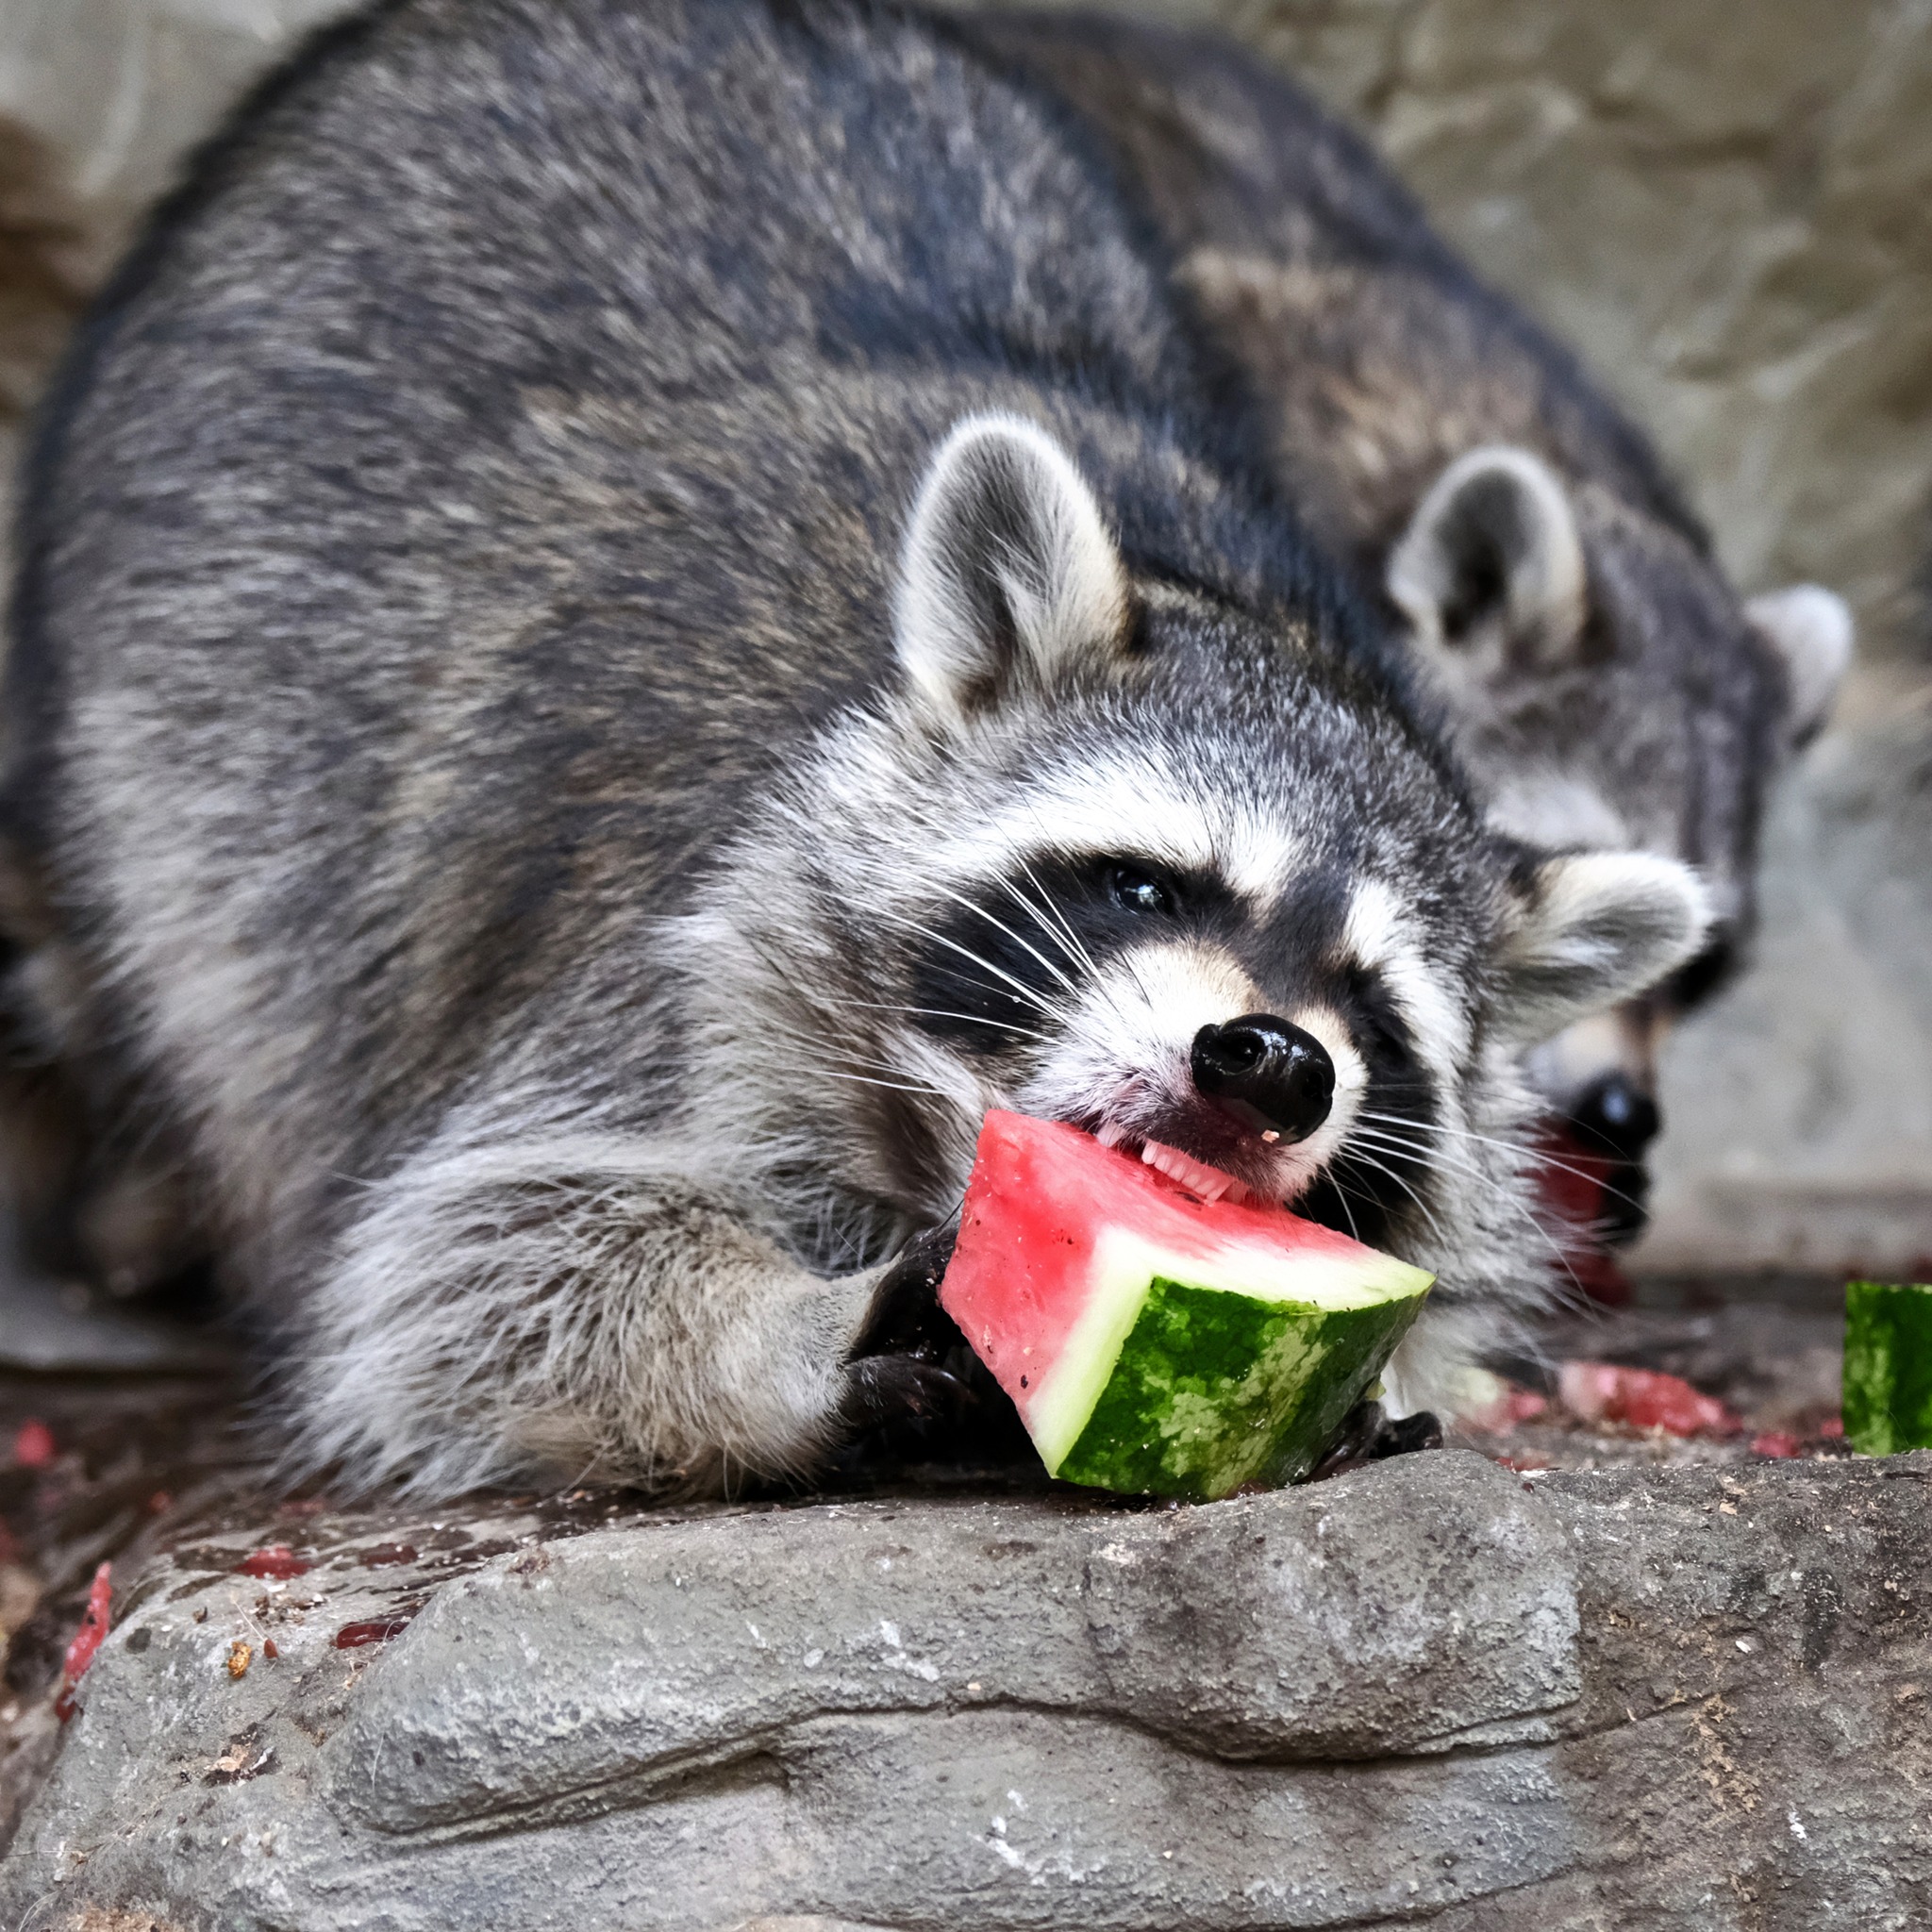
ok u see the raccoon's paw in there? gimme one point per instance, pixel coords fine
(898, 1369)
(1406, 1435)
(891, 1389)
(916, 1392)
(904, 1317)
(1369, 1436)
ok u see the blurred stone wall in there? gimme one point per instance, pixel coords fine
(99, 100)
(121, 87)
(1728, 209)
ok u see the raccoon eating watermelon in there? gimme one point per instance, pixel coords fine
(1154, 1340)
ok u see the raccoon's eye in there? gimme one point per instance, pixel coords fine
(1139, 891)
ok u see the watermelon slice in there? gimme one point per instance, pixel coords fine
(1888, 1401)
(1154, 1342)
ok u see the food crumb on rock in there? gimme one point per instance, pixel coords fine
(277, 1561)
(382, 1554)
(86, 1639)
(1643, 1399)
(375, 1630)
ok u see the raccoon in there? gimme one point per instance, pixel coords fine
(629, 616)
(1598, 675)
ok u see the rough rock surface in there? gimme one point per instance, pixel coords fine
(1689, 1698)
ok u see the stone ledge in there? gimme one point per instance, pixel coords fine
(1283, 1628)
(1672, 1697)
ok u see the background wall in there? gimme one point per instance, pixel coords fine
(1727, 209)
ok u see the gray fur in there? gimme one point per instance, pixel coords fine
(492, 831)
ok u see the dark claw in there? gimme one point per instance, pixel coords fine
(905, 1317)
(1368, 1436)
(916, 1392)
(1419, 1431)
(898, 1388)
(897, 1370)
(1352, 1444)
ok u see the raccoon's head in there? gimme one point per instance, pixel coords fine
(1609, 690)
(1119, 852)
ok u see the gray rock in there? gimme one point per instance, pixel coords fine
(586, 1674)
(1430, 1687)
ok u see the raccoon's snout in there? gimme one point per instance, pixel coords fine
(1270, 1075)
(1615, 1118)
(1618, 1115)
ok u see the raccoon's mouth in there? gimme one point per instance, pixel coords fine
(1197, 1177)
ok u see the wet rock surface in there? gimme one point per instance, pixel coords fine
(1687, 1696)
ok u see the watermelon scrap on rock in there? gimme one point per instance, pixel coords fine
(1643, 1399)
(1154, 1342)
(1888, 1384)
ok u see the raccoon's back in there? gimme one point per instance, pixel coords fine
(1324, 275)
(488, 467)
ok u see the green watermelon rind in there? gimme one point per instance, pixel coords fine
(1888, 1370)
(1181, 1381)
(1214, 1391)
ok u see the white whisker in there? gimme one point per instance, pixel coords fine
(972, 906)
(1354, 1153)
(1071, 941)
(897, 1085)
(1348, 1212)
(1393, 1144)
(929, 1013)
(1018, 987)
(1525, 1152)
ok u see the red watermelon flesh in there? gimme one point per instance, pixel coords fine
(1154, 1342)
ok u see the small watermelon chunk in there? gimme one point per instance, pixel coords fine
(1153, 1342)
(1887, 1399)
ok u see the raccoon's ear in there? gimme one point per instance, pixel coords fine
(1490, 571)
(1009, 578)
(1591, 929)
(1811, 629)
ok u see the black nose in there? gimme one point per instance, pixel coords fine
(1616, 1116)
(1275, 1079)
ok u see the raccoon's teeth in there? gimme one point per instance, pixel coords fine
(1110, 1133)
(1194, 1175)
